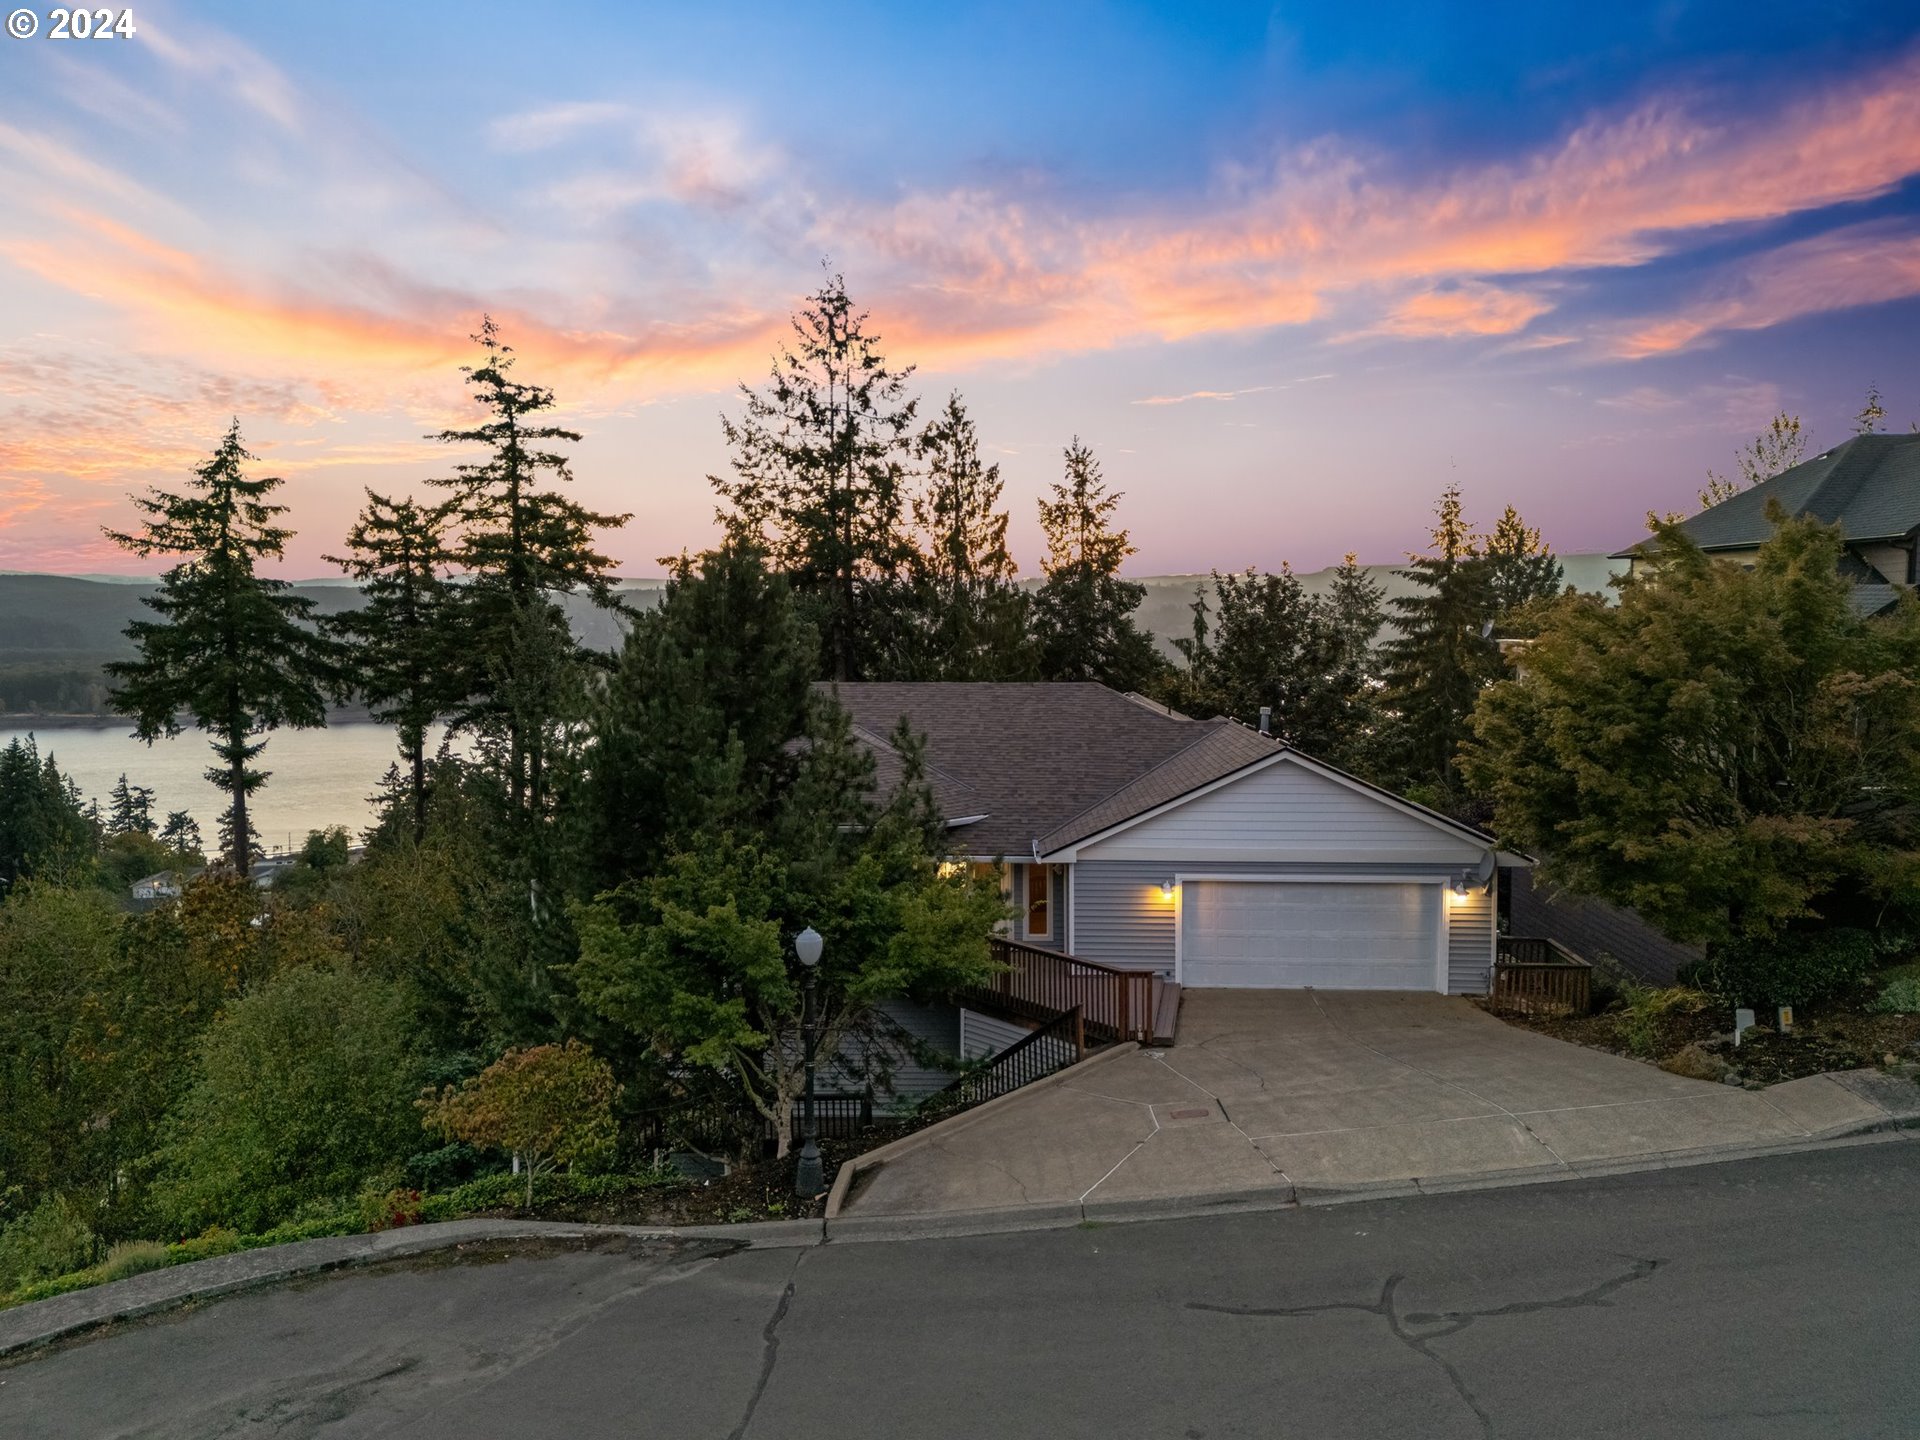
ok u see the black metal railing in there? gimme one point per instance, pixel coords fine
(835, 1117)
(1061, 1042)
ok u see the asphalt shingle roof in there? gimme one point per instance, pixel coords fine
(1040, 761)
(1870, 486)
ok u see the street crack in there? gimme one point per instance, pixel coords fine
(1449, 1322)
(770, 1350)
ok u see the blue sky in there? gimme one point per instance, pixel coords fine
(1290, 270)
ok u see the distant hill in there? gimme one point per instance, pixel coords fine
(56, 631)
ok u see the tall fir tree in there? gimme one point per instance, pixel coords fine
(399, 638)
(1520, 568)
(1438, 659)
(971, 616)
(44, 828)
(180, 833)
(1355, 608)
(520, 545)
(234, 650)
(695, 725)
(1083, 611)
(130, 808)
(820, 480)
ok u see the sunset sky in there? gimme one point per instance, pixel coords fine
(1290, 270)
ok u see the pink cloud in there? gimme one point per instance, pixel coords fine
(1859, 265)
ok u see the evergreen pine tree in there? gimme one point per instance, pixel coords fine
(1083, 612)
(399, 638)
(234, 650)
(181, 834)
(1519, 566)
(520, 545)
(971, 616)
(819, 480)
(44, 829)
(131, 809)
(695, 726)
(1354, 605)
(1439, 658)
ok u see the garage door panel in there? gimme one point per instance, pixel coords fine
(1333, 935)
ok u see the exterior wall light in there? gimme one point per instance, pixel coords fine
(1166, 889)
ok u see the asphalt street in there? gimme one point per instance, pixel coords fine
(1769, 1297)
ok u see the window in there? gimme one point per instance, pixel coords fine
(1039, 902)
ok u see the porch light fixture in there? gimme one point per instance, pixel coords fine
(1166, 889)
(1459, 887)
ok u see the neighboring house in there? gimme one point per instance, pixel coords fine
(162, 886)
(1200, 850)
(1869, 486)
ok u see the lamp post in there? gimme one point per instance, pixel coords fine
(809, 1179)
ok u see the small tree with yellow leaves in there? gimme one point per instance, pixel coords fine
(547, 1106)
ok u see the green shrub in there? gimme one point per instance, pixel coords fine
(303, 1092)
(389, 1209)
(48, 1240)
(1799, 967)
(1900, 996)
(1645, 1008)
(505, 1191)
(134, 1257)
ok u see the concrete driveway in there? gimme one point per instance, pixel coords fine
(1275, 1091)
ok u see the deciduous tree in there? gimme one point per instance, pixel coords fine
(1780, 446)
(1730, 751)
(548, 1105)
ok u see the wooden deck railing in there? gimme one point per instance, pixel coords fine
(1536, 976)
(1054, 1046)
(1041, 984)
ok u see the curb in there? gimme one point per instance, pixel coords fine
(26, 1328)
(42, 1322)
(851, 1170)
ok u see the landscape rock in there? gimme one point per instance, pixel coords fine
(1697, 1064)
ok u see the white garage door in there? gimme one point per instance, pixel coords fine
(1335, 936)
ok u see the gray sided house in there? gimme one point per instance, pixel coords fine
(1199, 850)
(1869, 486)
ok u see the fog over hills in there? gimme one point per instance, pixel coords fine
(57, 630)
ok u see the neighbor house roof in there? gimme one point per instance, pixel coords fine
(1869, 486)
(1036, 761)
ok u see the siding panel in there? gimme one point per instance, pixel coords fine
(982, 1036)
(1285, 812)
(1469, 943)
(935, 1029)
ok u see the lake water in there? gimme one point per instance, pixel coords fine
(318, 777)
